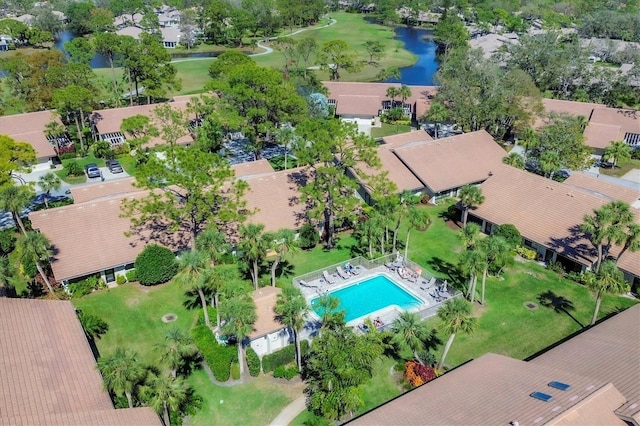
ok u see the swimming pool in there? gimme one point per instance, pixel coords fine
(363, 298)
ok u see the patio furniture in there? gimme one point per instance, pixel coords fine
(355, 270)
(342, 273)
(306, 284)
(328, 278)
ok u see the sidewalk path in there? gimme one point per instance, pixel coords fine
(290, 412)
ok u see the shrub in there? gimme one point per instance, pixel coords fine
(527, 253)
(510, 233)
(7, 241)
(121, 279)
(418, 374)
(556, 267)
(102, 149)
(67, 155)
(73, 168)
(283, 372)
(84, 287)
(155, 265)
(284, 356)
(218, 357)
(29, 269)
(131, 275)
(308, 237)
(253, 362)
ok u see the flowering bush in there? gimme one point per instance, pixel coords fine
(418, 374)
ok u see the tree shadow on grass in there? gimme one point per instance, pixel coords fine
(443, 267)
(560, 304)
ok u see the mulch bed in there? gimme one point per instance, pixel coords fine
(453, 224)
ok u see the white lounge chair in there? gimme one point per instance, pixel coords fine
(328, 278)
(342, 273)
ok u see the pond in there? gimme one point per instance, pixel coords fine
(418, 41)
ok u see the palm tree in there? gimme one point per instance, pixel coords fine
(410, 332)
(607, 225)
(213, 244)
(472, 263)
(456, 318)
(165, 394)
(469, 235)
(291, 310)
(404, 93)
(216, 280)
(176, 349)
(437, 114)
(283, 242)
(49, 182)
(239, 314)
(514, 160)
(609, 280)
(550, 163)
(285, 137)
(34, 247)
(54, 130)
(496, 252)
(470, 196)
(122, 372)
(6, 273)
(617, 151)
(15, 199)
(393, 92)
(193, 265)
(632, 239)
(253, 246)
(418, 219)
(528, 140)
(93, 326)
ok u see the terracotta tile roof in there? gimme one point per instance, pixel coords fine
(395, 141)
(543, 210)
(452, 162)
(30, 128)
(265, 300)
(491, 390)
(608, 352)
(600, 136)
(276, 197)
(602, 188)
(96, 191)
(366, 98)
(49, 375)
(252, 168)
(570, 107)
(110, 120)
(90, 236)
(627, 119)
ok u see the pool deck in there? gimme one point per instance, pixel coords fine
(422, 288)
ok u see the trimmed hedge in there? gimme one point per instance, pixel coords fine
(283, 356)
(235, 371)
(212, 315)
(218, 357)
(155, 265)
(253, 361)
(282, 372)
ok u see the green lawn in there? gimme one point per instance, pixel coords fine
(621, 168)
(388, 129)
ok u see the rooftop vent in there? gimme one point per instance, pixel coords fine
(559, 385)
(541, 396)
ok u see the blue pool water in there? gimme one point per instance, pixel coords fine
(368, 296)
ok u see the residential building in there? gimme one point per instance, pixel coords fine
(593, 378)
(49, 374)
(268, 333)
(369, 100)
(31, 128)
(437, 168)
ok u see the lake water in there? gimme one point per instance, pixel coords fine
(423, 71)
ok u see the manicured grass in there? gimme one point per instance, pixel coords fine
(621, 168)
(256, 402)
(128, 163)
(134, 314)
(388, 129)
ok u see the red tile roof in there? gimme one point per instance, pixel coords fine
(30, 128)
(96, 191)
(276, 199)
(252, 168)
(265, 300)
(602, 188)
(49, 375)
(452, 162)
(366, 98)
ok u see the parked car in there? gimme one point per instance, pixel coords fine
(92, 170)
(114, 166)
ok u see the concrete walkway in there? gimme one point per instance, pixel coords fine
(290, 412)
